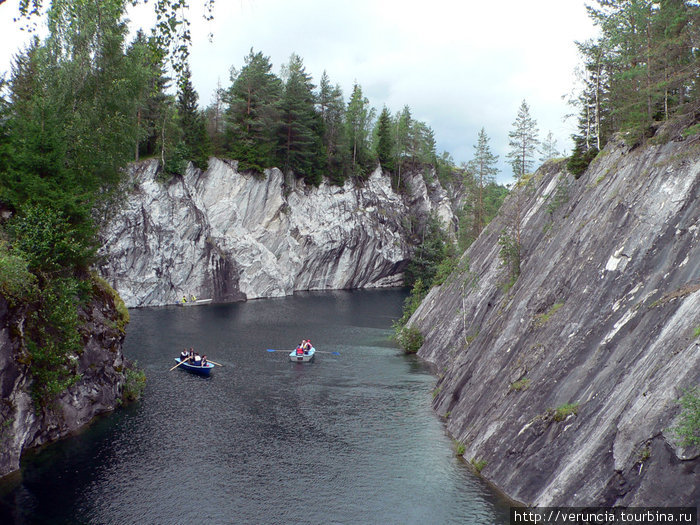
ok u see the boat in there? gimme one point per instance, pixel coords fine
(195, 369)
(197, 302)
(302, 358)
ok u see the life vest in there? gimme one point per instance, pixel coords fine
(300, 350)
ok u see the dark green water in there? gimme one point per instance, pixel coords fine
(346, 439)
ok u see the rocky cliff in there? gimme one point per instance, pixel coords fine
(101, 367)
(230, 236)
(564, 387)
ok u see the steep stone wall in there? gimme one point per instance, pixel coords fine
(229, 236)
(602, 318)
(101, 367)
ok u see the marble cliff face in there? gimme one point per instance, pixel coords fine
(565, 386)
(229, 236)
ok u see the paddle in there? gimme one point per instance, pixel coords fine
(173, 368)
(271, 350)
(320, 352)
(214, 362)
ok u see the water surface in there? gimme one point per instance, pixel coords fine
(344, 439)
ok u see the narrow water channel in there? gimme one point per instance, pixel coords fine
(345, 439)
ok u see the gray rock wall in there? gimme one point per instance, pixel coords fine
(101, 365)
(602, 317)
(229, 236)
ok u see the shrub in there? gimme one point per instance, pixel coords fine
(17, 283)
(134, 384)
(48, 241)
(409, 338)
(580, 159)
(520, 384)
(541, 319)
(688, 429)
(564, 411)
(478, 464)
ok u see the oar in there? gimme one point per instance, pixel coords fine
(320, 352)
(213, 362)
(271, 350)
(173, 368)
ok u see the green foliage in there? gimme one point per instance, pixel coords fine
(523, 142)
(478, 464)
(444, 270)
(409, 338)
(520, 384)
(134, 384)
(460, 448)
(692, 130)
(559, 197)
(175, 163)
(195, 139)
(358, 125)
(696, 332)
(510, 256)
(580, 158)
(102, 286)
(434, 248)
(252, 115)
(385, 141)
(412, 302)
(641, 69)
(49, 242)
(17, 283)
(542, 319)
(299, 140)
(53, 340)
(564, 411)
(688, 429)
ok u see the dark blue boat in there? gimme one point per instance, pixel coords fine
(195, 369)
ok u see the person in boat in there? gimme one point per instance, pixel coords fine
(193, 298)
(184, 299)
(204, 360)
(300, 350)
(184, 354)
(307, 346)
(197, 359)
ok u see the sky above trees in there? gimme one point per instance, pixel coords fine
(459, 66)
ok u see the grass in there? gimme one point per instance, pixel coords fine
(478, 464)
(564, 411)
(520, 384)
(542, 319)
(688, 429)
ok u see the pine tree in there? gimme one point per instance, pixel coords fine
(385, 141)
(252, 115)
(358, 127)
(299, 139)
(483, 168)
(192, 123)
(523, 143)
(548, 148)
(331, 105)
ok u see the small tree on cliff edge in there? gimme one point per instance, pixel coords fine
(523, 142)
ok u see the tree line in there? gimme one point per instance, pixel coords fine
(641, 70)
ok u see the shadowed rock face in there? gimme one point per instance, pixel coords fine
(602, 318)
(227, 236)
(101, 366)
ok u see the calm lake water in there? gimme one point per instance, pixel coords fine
(346, 439)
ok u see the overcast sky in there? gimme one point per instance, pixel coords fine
(460, 65)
